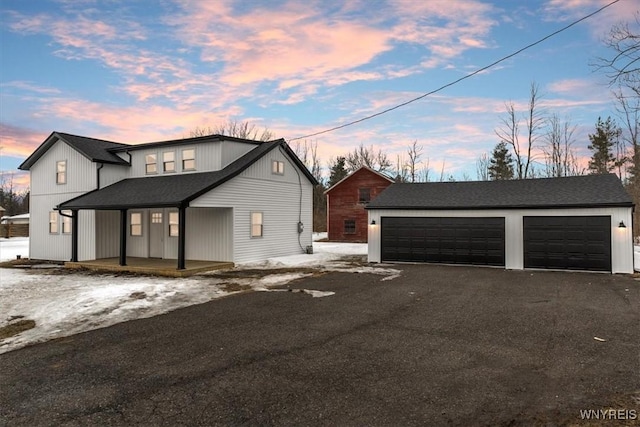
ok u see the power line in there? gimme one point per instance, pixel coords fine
(479, 70)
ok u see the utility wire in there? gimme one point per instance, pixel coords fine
(486, 67)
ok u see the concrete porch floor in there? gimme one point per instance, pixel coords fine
(154, 266)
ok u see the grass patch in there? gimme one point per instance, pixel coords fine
(234, 287)
(258, 273)
(16, 328)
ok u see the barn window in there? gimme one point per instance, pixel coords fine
(349, 226)
(364, 195)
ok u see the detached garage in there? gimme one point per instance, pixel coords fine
(572, 223)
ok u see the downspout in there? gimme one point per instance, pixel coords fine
(98, 176)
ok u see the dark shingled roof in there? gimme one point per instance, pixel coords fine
(172, 190)
(577, 191)
(93, 149)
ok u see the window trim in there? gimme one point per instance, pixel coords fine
(132, 224)
(174, 224)
(260, 224)
(166, 162)
(275, 167)
(53, 222)
(360, 199)
(61, 173)
(183, 159)
(147, 164)
(66, 222)
(344, 226)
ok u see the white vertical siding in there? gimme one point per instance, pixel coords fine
(107, 234)
(45, 195)
(138, 246)
(209, 234)
(232, 150)
(110, 174)
(621, 238)
(278, 198)
(208, 158)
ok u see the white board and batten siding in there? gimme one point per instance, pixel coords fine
(257, 189)
(621, 238)
(46, 194)
(208, 157)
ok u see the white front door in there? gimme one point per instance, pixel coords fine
(156, 234)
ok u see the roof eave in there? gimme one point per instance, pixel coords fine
(562, 206)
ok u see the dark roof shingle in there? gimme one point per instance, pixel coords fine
(577, 191)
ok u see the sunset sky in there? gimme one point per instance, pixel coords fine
(140, 71)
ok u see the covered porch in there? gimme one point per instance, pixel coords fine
(152, 266)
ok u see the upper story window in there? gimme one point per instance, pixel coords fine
(169, 161)
(53, 222)
(188, 159)
(150, 163)
(61, 172)
(364, 195)
(66, 222)
(136, 224)
(277, 167)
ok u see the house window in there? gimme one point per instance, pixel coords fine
(364, 195)
(256, 224)
(136, 224)
(188, 159)
(173, 224)
(53, 222)
(169, 161)
(61, 172)
(349, 226)
(156, 217)
(277, 167)
(66, 222)
(151, 163)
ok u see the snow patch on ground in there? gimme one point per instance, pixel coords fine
(64, 304)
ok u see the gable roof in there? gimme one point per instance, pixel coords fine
(355, 172)
(96, 150)
(173, 190)
(102, 151)
(576, 191)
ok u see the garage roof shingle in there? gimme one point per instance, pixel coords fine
(577, 191)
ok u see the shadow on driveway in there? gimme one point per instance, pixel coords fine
(437, 345)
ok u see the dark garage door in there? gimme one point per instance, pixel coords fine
(568, 242)
(477, 241)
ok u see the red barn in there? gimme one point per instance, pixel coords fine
(346, 201)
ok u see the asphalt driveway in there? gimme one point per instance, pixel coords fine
(436, 346)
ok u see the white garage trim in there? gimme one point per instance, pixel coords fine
(621, 238)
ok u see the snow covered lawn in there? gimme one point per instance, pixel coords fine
(64, 303)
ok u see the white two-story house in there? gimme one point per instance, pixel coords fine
(212, 198)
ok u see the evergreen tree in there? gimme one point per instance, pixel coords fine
(337, 171)
(501, 163)
(602, 144)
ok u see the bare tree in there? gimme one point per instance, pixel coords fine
(509, 132)
(559, 153)
(623, 67)
(236, 129)
(482, 167)
(442, 171)
(401, 173)
(369, 157)
(414, 152)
